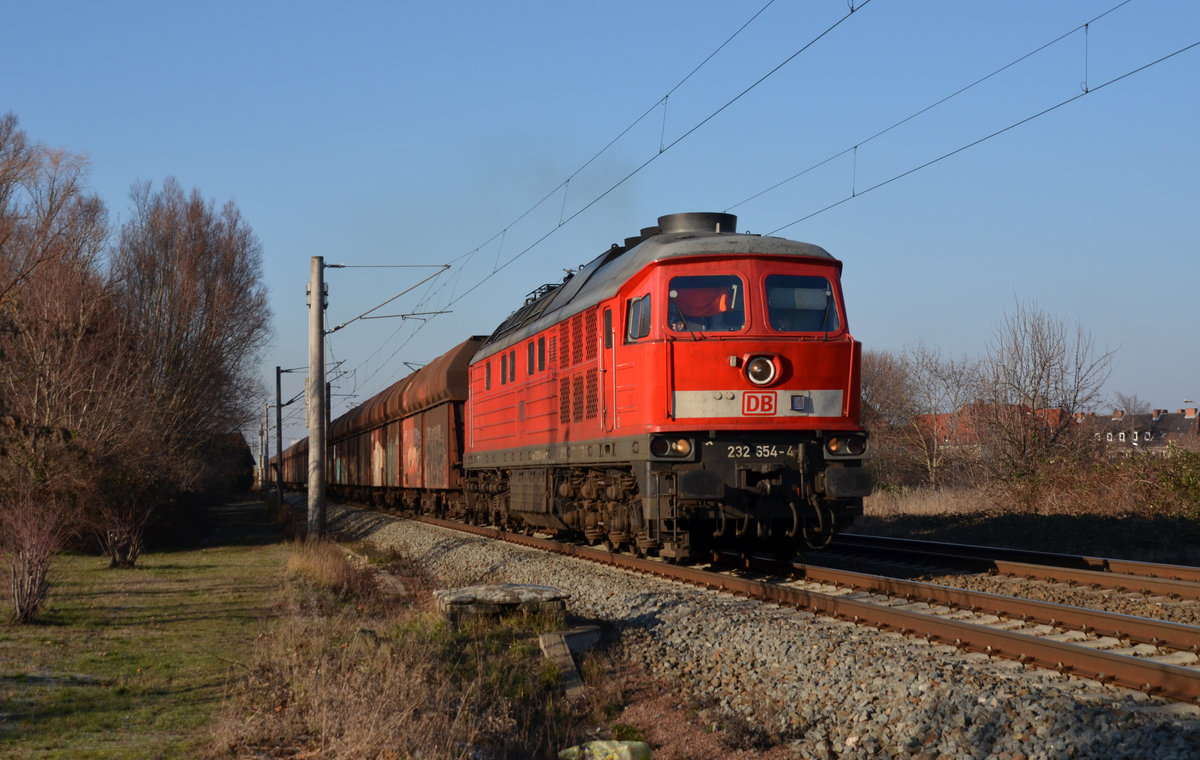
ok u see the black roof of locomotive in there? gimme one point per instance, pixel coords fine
(677, 235)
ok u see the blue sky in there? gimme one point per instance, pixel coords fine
(376, 133)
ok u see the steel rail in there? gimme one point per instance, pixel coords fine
(1180, 581)
(1171, 681)
(1117, 625)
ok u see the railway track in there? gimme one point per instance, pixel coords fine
(1157, 657)
(1174, 581)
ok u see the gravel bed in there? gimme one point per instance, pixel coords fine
(826, 688)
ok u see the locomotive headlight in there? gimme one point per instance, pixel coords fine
(671, 447)
(761, 370)
(846, 446)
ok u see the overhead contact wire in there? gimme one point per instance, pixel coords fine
(663, 150)
(564, 220)
(931, 106)
(984, 139)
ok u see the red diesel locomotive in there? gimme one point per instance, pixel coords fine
(691, 390)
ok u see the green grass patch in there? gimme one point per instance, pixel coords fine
(251, 647)
(134, 663)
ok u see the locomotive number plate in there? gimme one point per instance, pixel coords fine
(758, 451)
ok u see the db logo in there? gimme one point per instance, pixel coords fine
(758, 403)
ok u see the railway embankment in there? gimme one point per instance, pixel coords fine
(763, 676)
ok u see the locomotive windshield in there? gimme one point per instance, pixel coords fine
(711, 302)
(801, 303)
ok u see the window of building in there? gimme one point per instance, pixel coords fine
(1135, 435)
(1122, 436)
(1110, 437)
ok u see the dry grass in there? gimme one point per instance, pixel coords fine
(221, 652)
(919, 501)
(332, 569)
(351, 670)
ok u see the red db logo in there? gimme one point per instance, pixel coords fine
(758, 403)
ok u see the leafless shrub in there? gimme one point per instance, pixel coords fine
(1145, 486)
(32, 532)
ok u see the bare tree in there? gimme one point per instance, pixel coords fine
(17, 165)
(916, 402)
(1037, 374)
(189, 280)
(938, 429)
(885, 394)
(38, 187)
(55, 354)
(113, 385)
(1132, 404)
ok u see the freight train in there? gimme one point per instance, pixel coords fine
(690, 390)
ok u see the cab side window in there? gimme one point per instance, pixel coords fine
(637, 319)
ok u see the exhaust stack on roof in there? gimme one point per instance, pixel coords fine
(704, 223)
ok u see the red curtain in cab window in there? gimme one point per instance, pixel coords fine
(703, 302)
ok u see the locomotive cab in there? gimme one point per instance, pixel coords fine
(700, 392)
(747, 381)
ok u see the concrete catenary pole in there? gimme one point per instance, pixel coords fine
(278, 437)
(258, 470)
(266, 449)
(316, 399)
